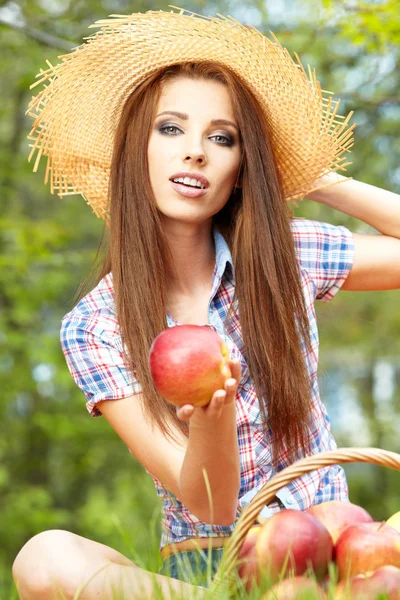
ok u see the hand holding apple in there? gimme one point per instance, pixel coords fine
(188, 364)
(202, 415)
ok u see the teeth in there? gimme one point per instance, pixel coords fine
(189, 181)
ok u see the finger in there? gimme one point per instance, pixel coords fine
(214, 408)
(185, 412)
(230, 388)
(236, 369)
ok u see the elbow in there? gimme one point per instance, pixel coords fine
(224, 516)
(227, 515)
(226, 519)
(222, 519)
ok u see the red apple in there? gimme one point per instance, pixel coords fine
(385, 580)
(247, 558)
(337, 515)
(188, 363)
(290, 542)
(296, 588)
(366, 547)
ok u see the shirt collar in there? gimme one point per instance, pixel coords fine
(223, 256)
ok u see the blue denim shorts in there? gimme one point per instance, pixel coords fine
(197, 567)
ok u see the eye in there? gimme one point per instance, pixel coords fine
(226, 141)
(222, 140)
(166, 129)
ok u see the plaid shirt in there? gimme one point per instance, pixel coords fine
(92, 346)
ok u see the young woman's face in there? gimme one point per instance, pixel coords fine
(197, 134)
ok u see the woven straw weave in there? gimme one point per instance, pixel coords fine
(77, 111)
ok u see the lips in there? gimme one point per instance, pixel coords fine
(198, 176)
(187, 191)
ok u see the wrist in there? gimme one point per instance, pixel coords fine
(323, 186)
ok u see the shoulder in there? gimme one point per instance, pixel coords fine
(313, 239)
(94, 313)
(303, 229)
(325, 252)
(92, 346)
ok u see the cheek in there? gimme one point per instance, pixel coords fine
(159, 152)
(230, 168)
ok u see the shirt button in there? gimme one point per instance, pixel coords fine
(246, 386)
(290, 501)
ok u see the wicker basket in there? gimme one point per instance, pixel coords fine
(266, 494)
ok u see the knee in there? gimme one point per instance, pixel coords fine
(37, 567)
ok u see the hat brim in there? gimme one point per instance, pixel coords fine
(77, 111)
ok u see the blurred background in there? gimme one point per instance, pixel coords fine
(59, 468)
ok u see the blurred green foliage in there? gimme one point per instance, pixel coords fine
(58, 467)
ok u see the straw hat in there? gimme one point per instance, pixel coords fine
(77, 111)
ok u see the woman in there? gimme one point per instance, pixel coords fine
(200, 233)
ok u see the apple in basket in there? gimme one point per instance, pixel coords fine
(366, 547)
(337, 516)
(296, 588)
(291, 542)
(247, 558)
(385, 580)
(188, 363)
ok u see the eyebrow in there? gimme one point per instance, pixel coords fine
(185, 117)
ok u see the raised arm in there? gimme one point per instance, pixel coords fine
(377, 257)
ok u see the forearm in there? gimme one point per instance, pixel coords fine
(379, 208)
(212, 446)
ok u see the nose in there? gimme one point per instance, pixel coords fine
(200, 159)
(195, 157)
(195, 153)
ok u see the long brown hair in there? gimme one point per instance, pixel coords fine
(255, 223)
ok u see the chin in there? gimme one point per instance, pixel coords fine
(190, 215)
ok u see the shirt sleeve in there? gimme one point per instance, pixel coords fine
(325, 252)
(93, 351)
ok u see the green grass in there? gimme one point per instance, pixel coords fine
(151, 561)
(224, 589)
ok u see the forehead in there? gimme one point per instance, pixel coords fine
(196, 97)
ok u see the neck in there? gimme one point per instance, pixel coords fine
(193, 257)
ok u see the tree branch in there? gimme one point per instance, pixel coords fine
(43, 38)
(375, 102)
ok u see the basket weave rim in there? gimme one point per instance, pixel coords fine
(377, 456)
